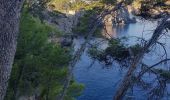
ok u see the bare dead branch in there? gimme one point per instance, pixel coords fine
(165, 52)
(144, 71)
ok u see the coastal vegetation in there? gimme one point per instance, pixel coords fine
(38, 52)
(40, 67)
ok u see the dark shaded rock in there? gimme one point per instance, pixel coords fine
(67, 40)
(121, 17)
(160, 15)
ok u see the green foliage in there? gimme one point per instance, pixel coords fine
(74, 90)
(82, 26)
(39, 67)
(78, 5)
(95, 53)
(128, 2)
(137, 3)
(136, 49)
(86, 22)
(117, 49)
(109, 1)
(164, 73)
(59, 5)
(145, 5)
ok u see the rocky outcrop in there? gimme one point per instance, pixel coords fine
(70, 21)
(151, 9)
(64, 21)
(120, 17)
(153, 13)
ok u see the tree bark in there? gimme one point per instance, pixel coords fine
(9, 28)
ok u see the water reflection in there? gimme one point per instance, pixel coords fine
(101, 84)
(115, 31)
(121, 29)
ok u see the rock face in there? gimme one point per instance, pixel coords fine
(71, 20)
(108, 31)
(151, 9)
(64, 21)
(154, 13)
(120, 17)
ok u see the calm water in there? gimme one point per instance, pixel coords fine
(100, 81)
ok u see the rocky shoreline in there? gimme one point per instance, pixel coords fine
(150, 11)
(67, 20)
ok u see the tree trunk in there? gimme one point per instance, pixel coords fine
(9, 26)
(127, 81)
